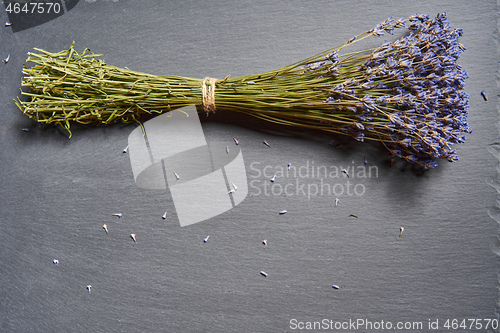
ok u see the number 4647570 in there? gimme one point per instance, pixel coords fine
(471, 324)
(33, 7)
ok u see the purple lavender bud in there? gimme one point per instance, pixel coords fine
(368, 99)
(333, 57)
(359, 137)
(366, 85)
(376, 32)
(400, 23)
(382, 100)
(423, 17)
(390, 63)
(406, 142)
(413, 18)
(359, 126)
(333, 71)
(404, 63)
(389, 30)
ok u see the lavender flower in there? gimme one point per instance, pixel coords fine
(402, 103)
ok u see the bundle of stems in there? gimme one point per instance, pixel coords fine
(407, 94)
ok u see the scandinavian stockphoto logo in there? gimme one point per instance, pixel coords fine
(205, 178)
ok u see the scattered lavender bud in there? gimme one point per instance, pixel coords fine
(347, 174)
(483, 93)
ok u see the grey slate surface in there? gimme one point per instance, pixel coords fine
(57, 193)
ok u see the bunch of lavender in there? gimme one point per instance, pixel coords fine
(407, 94)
